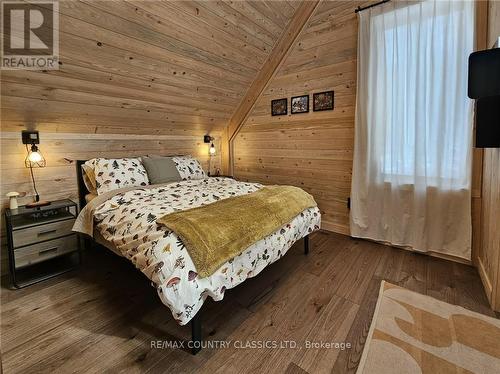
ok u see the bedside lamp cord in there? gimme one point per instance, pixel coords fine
(37, 197)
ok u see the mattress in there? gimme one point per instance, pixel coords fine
(128, 221)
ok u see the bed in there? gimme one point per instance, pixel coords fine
(124, 221)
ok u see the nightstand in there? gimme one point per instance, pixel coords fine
(41, 244)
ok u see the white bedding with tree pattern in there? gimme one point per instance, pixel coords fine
(128, 220)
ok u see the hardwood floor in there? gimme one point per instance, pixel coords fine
(104, 316)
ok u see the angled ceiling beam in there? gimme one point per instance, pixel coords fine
(265, 74)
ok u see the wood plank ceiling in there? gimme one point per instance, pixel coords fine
(159, 67)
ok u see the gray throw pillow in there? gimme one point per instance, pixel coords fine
(161, 169)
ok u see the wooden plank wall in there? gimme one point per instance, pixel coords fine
(494, 24)
(488, 259)
(177, 70)
(481, 42)
(135, 77)
(489, 255)
(58, 179)
(312, 150)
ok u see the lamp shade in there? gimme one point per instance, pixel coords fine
(35, 159)
(211, 150)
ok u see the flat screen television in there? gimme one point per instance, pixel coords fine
(484, 73)
(484, 86)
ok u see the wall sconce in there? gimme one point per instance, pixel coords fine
(211, 150)
(34, 159)
(209, 139)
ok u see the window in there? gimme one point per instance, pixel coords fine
(419, 113)
(413, 141)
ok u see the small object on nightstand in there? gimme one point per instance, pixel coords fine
(41, 244)
(12, 199)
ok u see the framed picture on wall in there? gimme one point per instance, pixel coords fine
(323, 101)
(299, 104)
(279, 107)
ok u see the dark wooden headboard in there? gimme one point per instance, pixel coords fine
(82, 189)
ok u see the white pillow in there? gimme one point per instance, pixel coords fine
(189, 167)
(114, 173)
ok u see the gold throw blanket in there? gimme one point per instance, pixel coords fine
(218, 232)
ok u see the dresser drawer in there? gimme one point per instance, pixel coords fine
(43, 251)
(37, 234)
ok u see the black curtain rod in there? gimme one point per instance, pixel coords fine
(359, 9)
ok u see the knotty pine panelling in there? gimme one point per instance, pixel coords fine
(488, 255)
(146, 67)
(135, 77)
(494, 23)
(58, 179)
(313, 150)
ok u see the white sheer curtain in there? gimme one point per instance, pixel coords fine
(413, 138)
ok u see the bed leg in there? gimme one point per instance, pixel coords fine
(87, 245)
(196, 333)
(306, 244)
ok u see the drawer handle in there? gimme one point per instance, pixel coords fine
(47, 232)
(43, 251)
